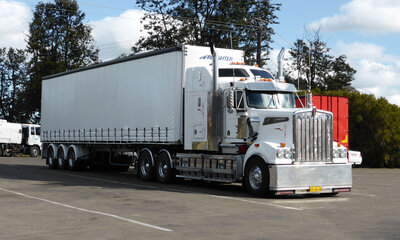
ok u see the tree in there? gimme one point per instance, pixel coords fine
(58, 41)
(12, 84)
(315, 67)
(224, 23)
(374, 128)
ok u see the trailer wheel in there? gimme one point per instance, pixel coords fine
(164, 171)
(34, 151)
(62, 163)
(146, 168)
(72, 161)
(257, 177)
(50, 158)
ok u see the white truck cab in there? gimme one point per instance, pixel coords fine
(19, 138)
(31, 139)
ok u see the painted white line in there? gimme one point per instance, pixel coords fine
(89, 211)
(362, 194)
(325, 200)
(182, 191)
(260, 203)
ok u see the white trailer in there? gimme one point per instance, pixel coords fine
(19, 138)
(183, 112)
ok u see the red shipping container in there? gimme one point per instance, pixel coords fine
(339, 106)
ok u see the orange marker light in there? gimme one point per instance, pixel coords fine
(242, 79)
(283, 144)
(256, 145)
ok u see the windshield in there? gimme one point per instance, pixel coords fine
(257, 99)
(261, 73)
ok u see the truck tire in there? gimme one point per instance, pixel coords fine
(257, 177)
(164, 171)
(146, 168)
(50, 158)
(62, 162)
(72, 161)
(34, 151)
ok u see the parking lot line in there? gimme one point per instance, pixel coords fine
(260, 203)
(362, 194)
(324, 200)
(89, 211)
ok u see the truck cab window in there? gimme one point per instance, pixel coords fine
(232, 72)
(261, 73)
(286, 100)
(38, 131)
(32, 131)
(239, 100)
(257, 99)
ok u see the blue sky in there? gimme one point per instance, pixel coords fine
(366, 31)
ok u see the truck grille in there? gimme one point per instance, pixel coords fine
(313, 137)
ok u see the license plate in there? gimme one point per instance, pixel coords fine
(315, 189)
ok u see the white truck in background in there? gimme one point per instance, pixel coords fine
(19, 138)
(188, 113)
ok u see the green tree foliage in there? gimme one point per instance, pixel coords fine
(58, 41)
(374, 128)
(313, 64)
(12, 84)
(224, 23)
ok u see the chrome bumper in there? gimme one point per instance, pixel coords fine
(300, 178)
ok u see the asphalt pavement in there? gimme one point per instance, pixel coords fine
(39, 203)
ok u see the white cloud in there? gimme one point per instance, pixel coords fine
(370, 16)
(116, 35)
(377, 72)
(14, 19)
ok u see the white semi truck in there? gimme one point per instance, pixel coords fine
(19, 138)
(185, 112)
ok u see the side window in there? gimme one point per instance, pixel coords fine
(239, 100)
(38, 131)
(32, 131)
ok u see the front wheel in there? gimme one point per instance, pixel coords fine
(257, 177)
(34, 151)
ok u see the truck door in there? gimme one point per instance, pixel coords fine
(25, 135)
(34, 136)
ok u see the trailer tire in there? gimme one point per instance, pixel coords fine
(72, 161)
(62, 162)
(34, 151)
(146, 168)
(50, 158)
(164, 170)
(257, 177)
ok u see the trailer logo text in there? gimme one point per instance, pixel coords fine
(220, 58)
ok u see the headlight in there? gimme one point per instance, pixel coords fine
(343, 153)
(288, 154)
(280, 153)
(335, 153)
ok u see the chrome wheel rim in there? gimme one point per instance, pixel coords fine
(34, 152)
(145, 167)
(255, 177)
(71, 160)
(163, 168)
